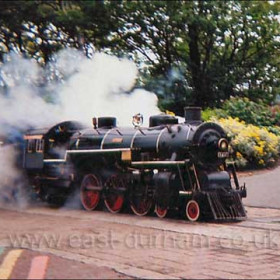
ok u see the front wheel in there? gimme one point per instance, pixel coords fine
(192, 211)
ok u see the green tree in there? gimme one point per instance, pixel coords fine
(26, 27)
(222, 48)
(40, 28)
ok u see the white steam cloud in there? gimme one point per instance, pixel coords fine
(94, 87)
(11, 180)
(100, 87)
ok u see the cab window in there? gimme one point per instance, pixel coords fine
(35, 145)
(39, 145)
(31, 146)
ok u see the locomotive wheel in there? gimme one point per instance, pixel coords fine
(89, 192)
(161, 211)
(192, 211)
(114, 199)
(141, 203)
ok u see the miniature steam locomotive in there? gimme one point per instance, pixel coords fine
(167, 166)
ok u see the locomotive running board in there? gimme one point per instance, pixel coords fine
(158, 164)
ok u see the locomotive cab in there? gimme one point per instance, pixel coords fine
(41, 144)
(34, 149)
(45, 160)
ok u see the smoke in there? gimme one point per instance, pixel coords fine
(100, 87)
(70, 87)
(84, 88)
(12, 183)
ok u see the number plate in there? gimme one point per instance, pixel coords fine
(223, 154)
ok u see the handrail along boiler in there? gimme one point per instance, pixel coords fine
(168, 165)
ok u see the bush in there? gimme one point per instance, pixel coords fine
(209, 113)
(251, 112)
(246, 110)
(252, 146)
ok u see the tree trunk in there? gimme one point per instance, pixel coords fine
(201, 84)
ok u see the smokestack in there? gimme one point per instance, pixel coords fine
(192, 114)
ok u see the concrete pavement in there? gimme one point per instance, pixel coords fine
(263, 189)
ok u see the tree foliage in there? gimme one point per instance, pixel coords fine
(188, 52)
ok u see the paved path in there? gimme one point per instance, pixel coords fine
(263, 189)
(140, 247)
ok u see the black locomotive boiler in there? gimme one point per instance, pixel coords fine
(166, 166)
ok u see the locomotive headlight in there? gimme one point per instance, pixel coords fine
(223, 144)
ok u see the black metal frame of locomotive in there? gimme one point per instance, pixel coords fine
(165, 166)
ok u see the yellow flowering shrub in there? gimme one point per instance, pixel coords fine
(252, 145)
